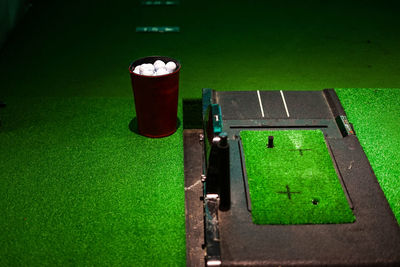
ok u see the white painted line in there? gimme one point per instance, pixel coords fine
(260, 102)
(284, 103)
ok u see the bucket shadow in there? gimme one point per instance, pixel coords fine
(133, 125)
(192, 114)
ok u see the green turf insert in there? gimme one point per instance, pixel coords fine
(78, 188)
(294, 182)
(375, 115)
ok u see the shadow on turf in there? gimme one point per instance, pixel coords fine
(133, 125)
(192, 114)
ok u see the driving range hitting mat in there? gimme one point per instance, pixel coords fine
(279, 178)
(293, 181)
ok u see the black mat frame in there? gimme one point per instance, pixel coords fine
(372, 240)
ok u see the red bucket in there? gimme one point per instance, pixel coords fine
(156, 99)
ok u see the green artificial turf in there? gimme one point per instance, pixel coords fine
(375, 114)
(298, 163)
(79, 188)
(83, 49)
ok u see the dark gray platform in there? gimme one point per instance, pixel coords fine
(374, 239)
(245, 105)
(193, 192)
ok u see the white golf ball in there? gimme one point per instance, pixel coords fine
(161, 71)
(170, 66)
(146, 66)
(142, 67)
(137, 70)
(147, 72)
(150, 66)
(159, 64)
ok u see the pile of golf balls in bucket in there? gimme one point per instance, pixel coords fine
(157, 69)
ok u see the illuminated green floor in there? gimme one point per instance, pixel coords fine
(82, 49)
(375, 115)
(79, 188)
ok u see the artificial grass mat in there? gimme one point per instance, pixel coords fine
(294, 182)
(375, 115)
(78, 187)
